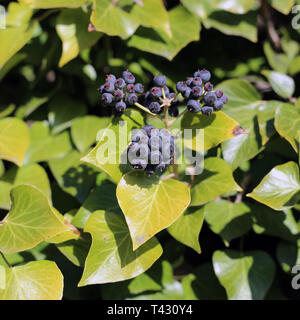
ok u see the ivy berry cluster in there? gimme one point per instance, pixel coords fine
(199, 93)
(151, 149)
(120, 93)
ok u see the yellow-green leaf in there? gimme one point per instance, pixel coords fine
(30, 220)
(46, 4)
(14, 140)
(37, 280)
(150, 205)
(111, 257)
(218, 127)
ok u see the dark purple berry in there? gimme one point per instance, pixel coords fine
(109, 87)
(181, 86)
(210, 98)
(128, 77)
(156, 92)
(119, 95)
(148, 128)
(197, 81)
(173, 96)
(111, 78)
(218, 104)
(224, 99)
(208, 86)
(204, 75)
(131, 88)
(193, 106)
(197, 92)
(120, 106)
(219, 93)
(166, 91)
(120, 83)
(189, 81)
(107, 98)
(187, 92)
(139, 88)
(173, 111)
(101, 89)
(207, 110)
(154, 107)
(160, 80)
(132, 98)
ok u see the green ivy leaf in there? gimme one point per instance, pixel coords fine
(280, 188)
(283, 6)
(245, 276)
(113, 20)
(278, 61)
(149, 204)
(111, 257)
(282, 84)
(187, 228)
(218, 127)
(30, 106)
(266, 117)
(44, 146)
(153, 14)
(130, 120)
(100, 198)
(184, 26)
(63, 111)
(215, 180)
(287, 124)
(18, 28)
(38, 280)
(14, 140)
(72, 28)
(84, 130)
(74, 177)
(288, 255)
(229, 220)
(46, 4)
(2, 278)
(242, 106)
(31, 174)
(274, 223)
(30, 220)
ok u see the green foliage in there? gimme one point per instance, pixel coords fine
(73, 226)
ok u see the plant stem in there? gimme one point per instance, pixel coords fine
(147, 110)
(5, 260)
(166, 114)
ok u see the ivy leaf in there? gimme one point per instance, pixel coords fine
(100, 198)
(288, 255)
(183, 24)
(244, 277)
(282, 84)
(44, 146)
(113, 20)
(187, 228)
(2, 278)
(149, 204)
(266, 117)
(111, 257)
(30, 220)
(72, 28)
(287, 124)
(14, 140)
(63, 111)
(280, 188)
(153, 14)
(278, 61)
(235, 6)
(215, 180)
(19, 28)
(243, 107)
(37, 280)
(84, 130)
(218, 127)
(283, 6)
(114, 138)
(74, 177)
(281, 224)
(46, 4)
(32, 174)
(229, 220)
